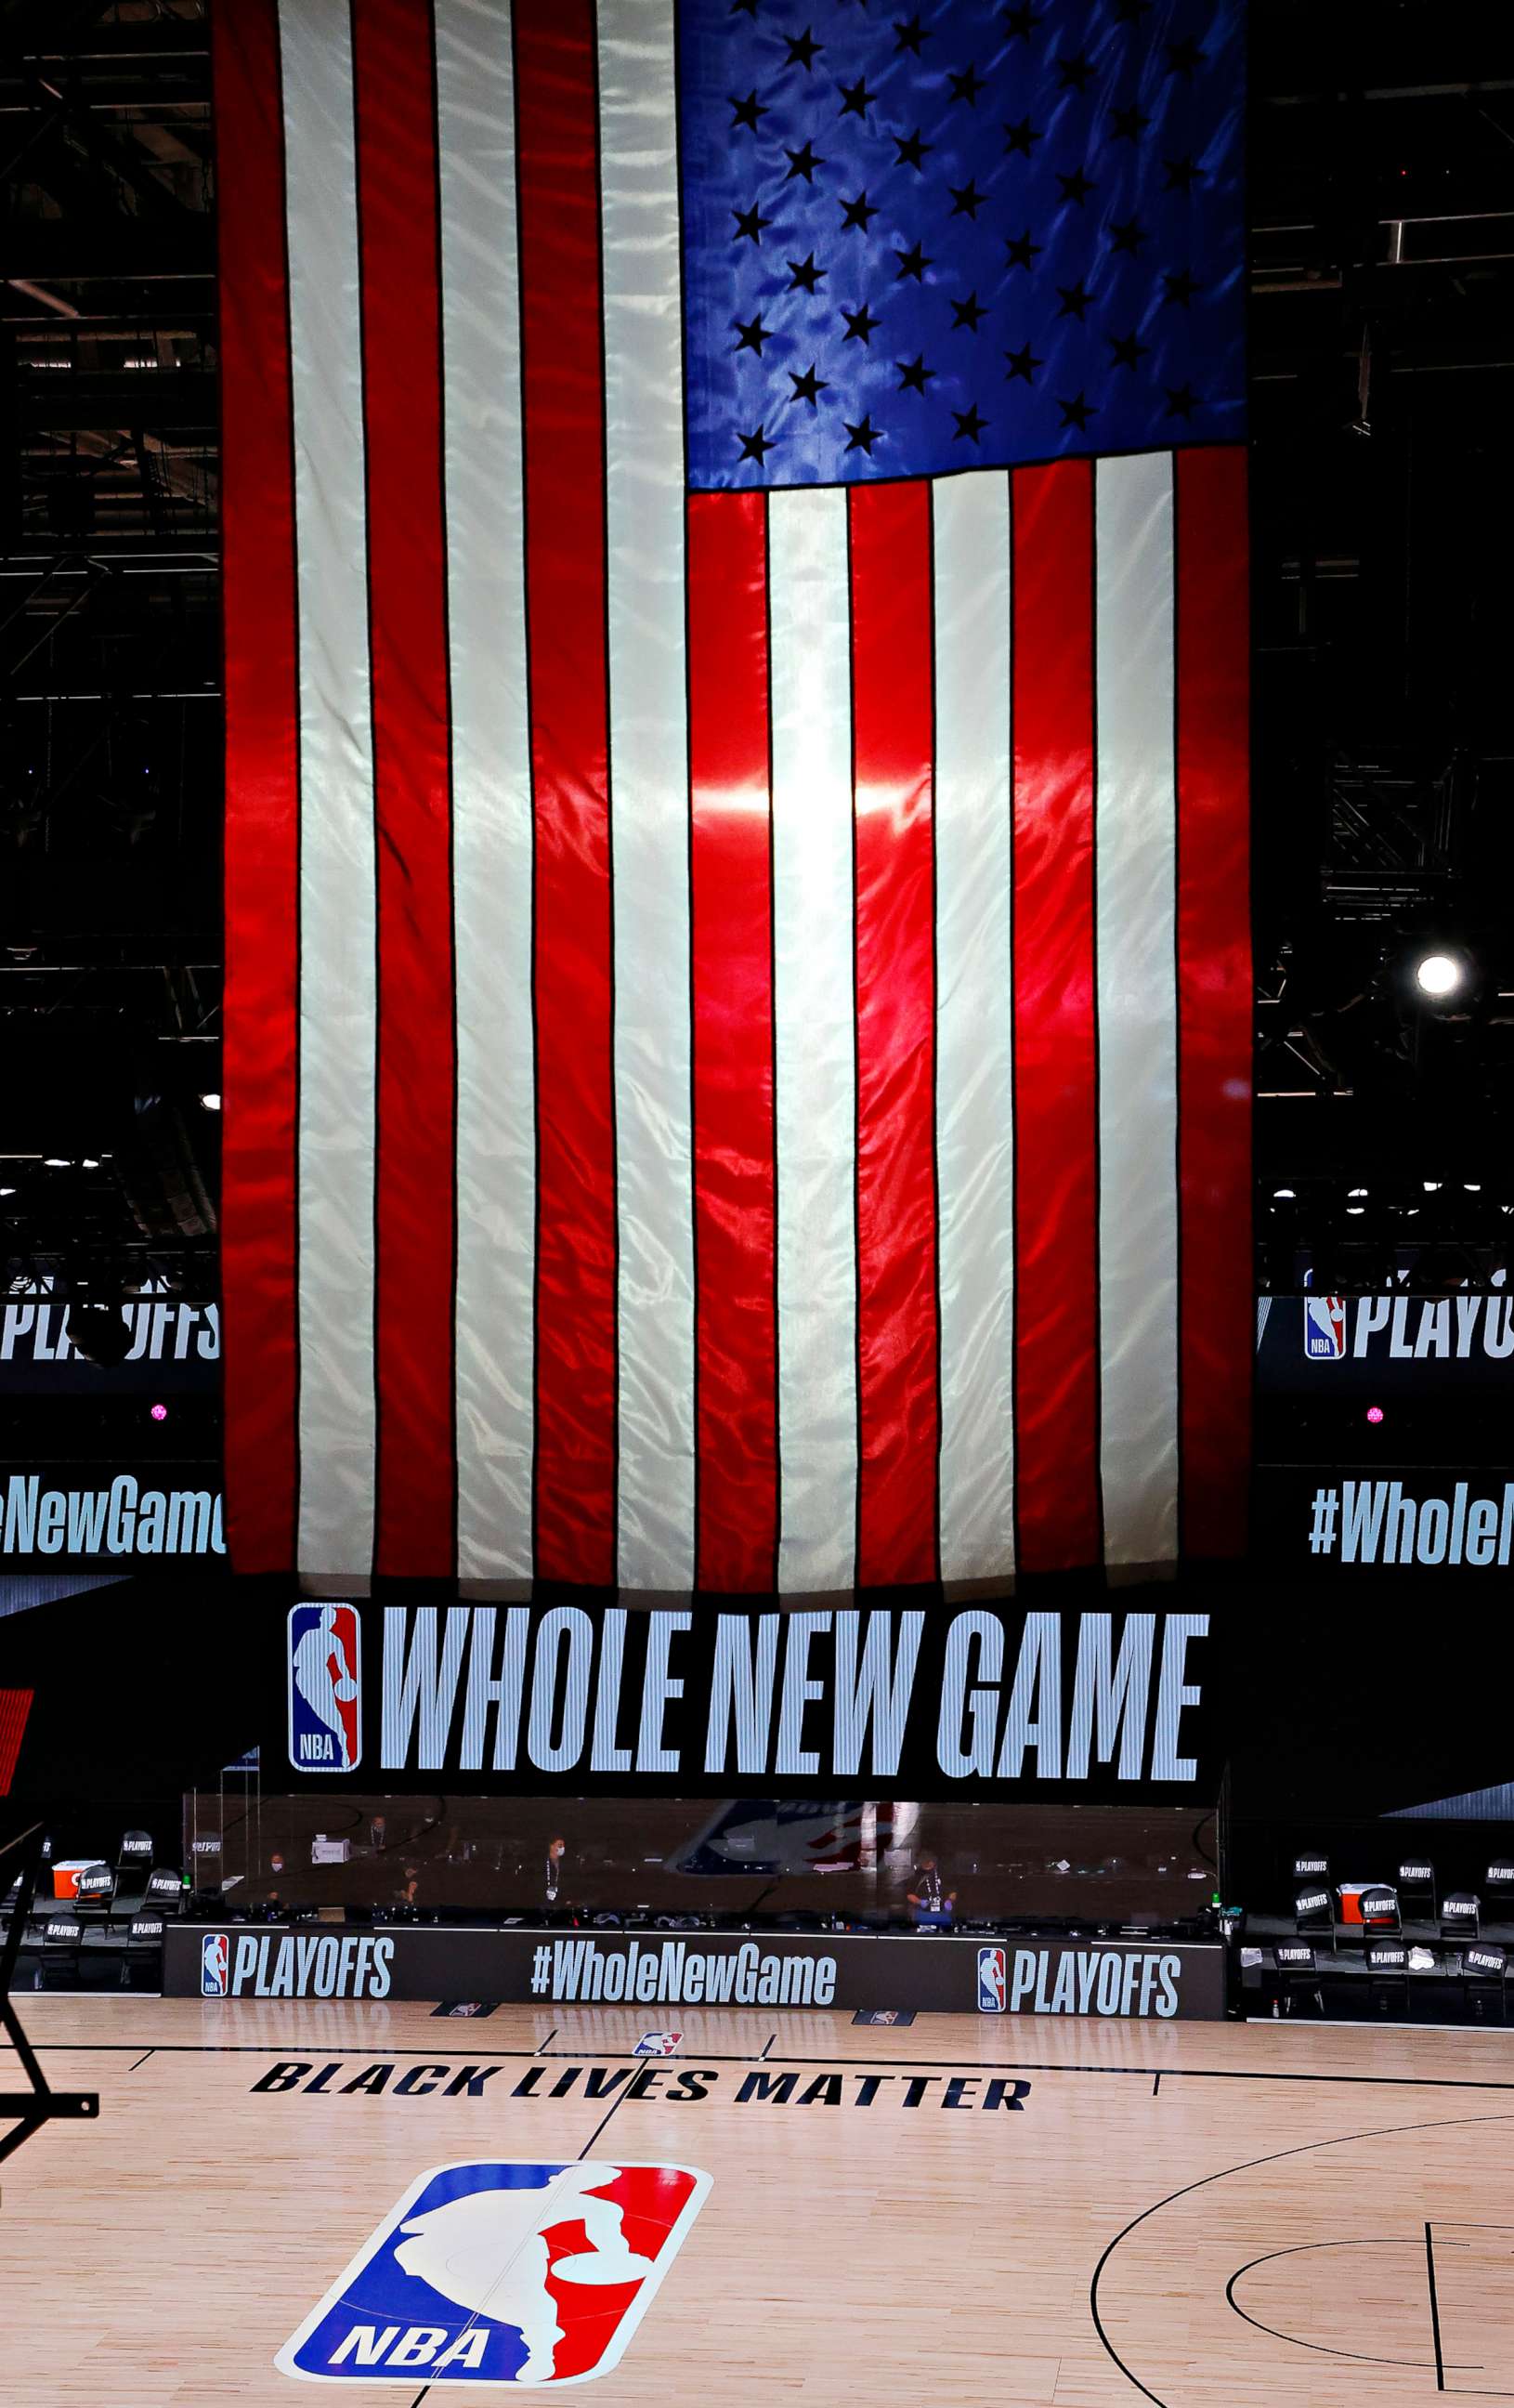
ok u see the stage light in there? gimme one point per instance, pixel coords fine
(1374, 1414)
(1431, 1186)
(7, 1191)
(160, 1414)
(1356, 1211)
(1356, 1191)
(1471, 1186)
(211, 1100)
(1286, 1195)
(56, 1162)
(1438, 974)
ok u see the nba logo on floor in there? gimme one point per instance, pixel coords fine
(1324, 1328)
(215, 1961)
(505, 2270)
(325, 1677)
(992, 1987)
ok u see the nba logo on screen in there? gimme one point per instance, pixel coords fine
(505, 2270)
(991, 1982)
(325, 1688)
(1324, 1328)
(215, 1960)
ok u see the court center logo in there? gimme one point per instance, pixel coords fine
(325, 1688)
(502, 2271)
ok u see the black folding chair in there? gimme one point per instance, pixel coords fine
(1387, 1963)
(95, 1892)
(1485, 1976)
(1379, 1909)
(1314, 1910)
(134, 1862)
(61, 1934)
(1299, 1975)
(165, 1891)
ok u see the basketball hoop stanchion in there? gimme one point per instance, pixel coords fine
(37, 2105)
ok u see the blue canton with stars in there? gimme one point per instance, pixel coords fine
(956, 235)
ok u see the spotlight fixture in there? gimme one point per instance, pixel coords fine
(210, 1101)
(99, 1333)
(1286, 1195)
(1431, 1186)
(1438, 974)
(1374, 1414)
(1356, 1191)
(160, 1414)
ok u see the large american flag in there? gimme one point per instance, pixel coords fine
(737, 1047)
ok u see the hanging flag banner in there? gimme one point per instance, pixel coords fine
(739, 1000)
(606, 1701)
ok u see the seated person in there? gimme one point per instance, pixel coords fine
(927, 1897)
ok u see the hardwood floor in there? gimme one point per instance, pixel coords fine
(1214, 2216)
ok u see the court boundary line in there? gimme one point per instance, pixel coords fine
(718, 2056)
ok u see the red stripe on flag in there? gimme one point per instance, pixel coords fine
(556, 113)
(1056, 1065)
(1214, 997)
(260, 1068)
(15, 1706)
(735, 1178)
(413, 1209)
(893, 742)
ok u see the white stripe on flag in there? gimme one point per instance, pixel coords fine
(814, 1012)
(338, 1002)
(492, 802)
(1135, 864)
(648, 790)
(975, 1026)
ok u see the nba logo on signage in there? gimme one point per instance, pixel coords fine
(1324, 1328)
(215, 1961)
(992, 1987)
(504, 2272)
(325, 1688)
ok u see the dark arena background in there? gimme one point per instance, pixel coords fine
(756, 1171)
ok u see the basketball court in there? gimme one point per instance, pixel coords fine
(1076, 2213)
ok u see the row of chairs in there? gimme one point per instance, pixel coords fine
(1414, 1893)
(119, 1906)
(1379, 1910)
(70, 1948)
(1484, 1973)
(1383, 1907)
(107, 1890)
